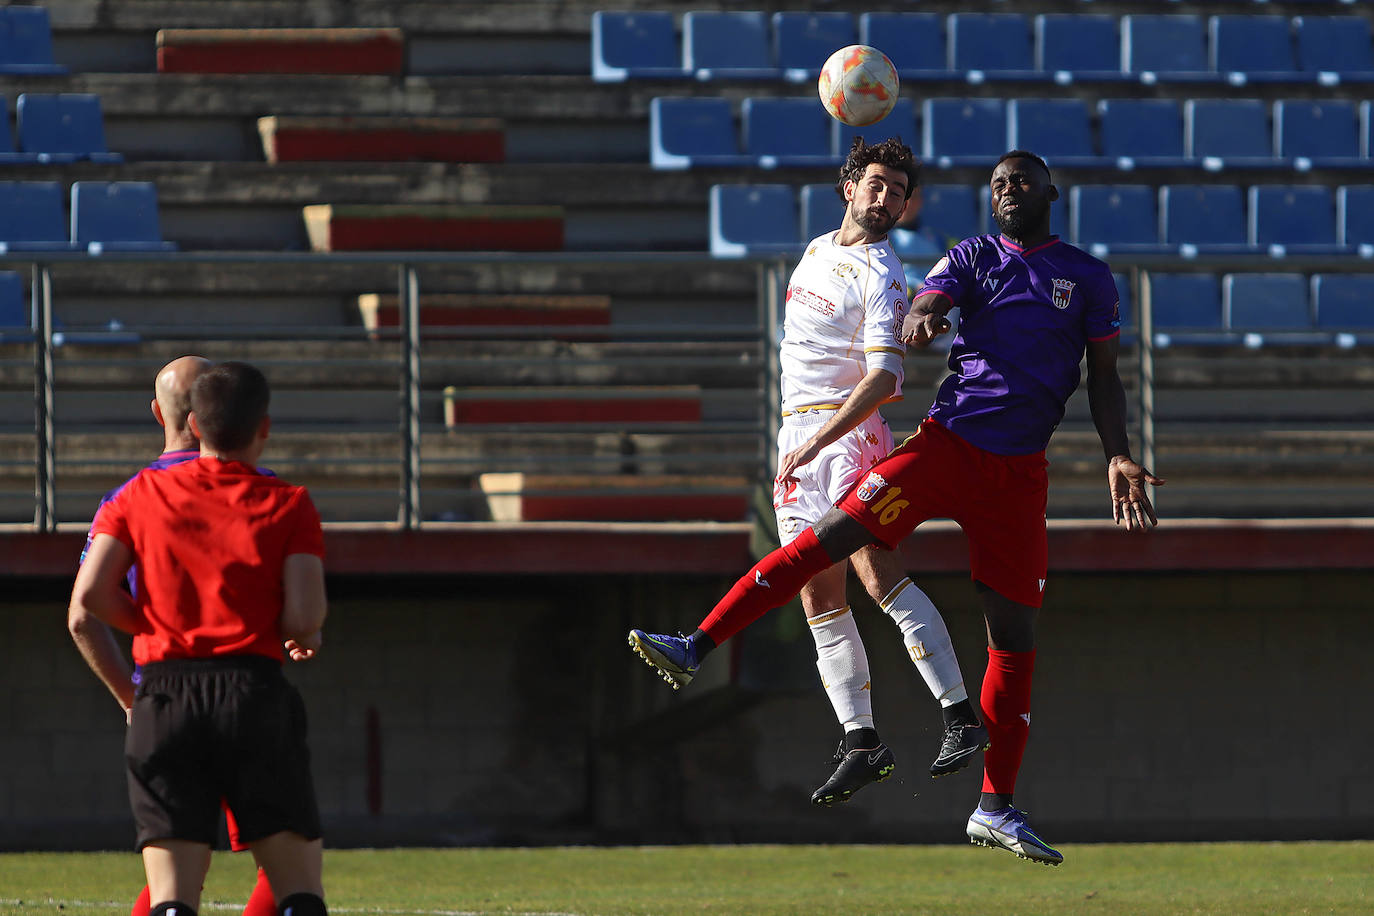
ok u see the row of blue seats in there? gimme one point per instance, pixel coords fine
(59, 127)
(26, 42)
(1255, 309)
(1189, 219)
(105, 216)
(1061, 47)
(1211, 134)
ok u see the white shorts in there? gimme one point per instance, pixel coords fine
(830, 475)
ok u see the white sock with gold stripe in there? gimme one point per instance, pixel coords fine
(843, 664)
(927, 641)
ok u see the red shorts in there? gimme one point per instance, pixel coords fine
(998, 500)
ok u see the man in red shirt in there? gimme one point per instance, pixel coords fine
(171, 406)
(228, 568)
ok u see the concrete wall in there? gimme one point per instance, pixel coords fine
(492, 710)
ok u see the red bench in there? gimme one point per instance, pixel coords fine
(518, 497)
(534, 404)
(344, 51)
(380, 310)
(433, 227)
(324, 139)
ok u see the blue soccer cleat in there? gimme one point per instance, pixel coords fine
(1007, 829)
(673, 656)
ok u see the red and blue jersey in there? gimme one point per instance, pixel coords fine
(1025, 319)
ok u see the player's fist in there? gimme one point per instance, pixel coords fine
(920, 328)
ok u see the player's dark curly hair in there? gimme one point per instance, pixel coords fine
(892, 153)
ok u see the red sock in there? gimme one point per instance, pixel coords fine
(143, 904)
(262, 903)
(773, 581)
(1006, 711)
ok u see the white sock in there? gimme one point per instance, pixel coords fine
(927, 641)
(843, 664)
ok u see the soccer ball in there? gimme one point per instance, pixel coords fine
(858, 85)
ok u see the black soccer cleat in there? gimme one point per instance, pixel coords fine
(857, 768)
(957, 748)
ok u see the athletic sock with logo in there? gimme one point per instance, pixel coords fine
(843, 665)
(1006, 712)
(927, 641)
(773, 581)
(261, 903)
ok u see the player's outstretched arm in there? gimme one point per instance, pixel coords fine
(1126, 479)
(873, 389)
(926, 320)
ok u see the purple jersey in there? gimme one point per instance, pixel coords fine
(1025, 318)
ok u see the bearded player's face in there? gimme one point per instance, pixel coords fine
(1021, 196)
(876, 200)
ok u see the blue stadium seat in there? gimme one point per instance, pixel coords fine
(26, 42)
(1227, 133)
(1078, 45)
(1203, 217)
(117, 216)
(1169, 46)
(952, 210)
(1355, 218)
(1323, 132)
(802, 42)
(753, 219)
(8, 154)
(900, 122)
(914, 42)
(963, 131)
(687, 131)
(1343, 301)
(786, 132)
(15, 317)
(1259, 47)
(1113, 217)
(1060, 130)
(821, 210)
(634, 45)
(65, 127)
(728, 45)
(1292, 218)
(1186, 308)
(1335, 44)
(32, 217)
(997, 43)
(1260, 302)
(1142, 132)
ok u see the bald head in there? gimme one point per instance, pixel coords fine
(172, 399)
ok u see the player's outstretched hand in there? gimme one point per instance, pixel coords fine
(1126, 483)
(920, 328)
(301, 650)
(787, 467)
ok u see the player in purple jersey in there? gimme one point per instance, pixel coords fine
(93, 637)
(1030, 306)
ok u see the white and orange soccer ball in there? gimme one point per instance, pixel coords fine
(858, 85)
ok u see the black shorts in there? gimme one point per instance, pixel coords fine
(229, 728)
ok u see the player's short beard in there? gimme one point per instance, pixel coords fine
(1025, 222)
(872, 224)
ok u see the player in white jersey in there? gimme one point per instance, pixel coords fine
(841, 359)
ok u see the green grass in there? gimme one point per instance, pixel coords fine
(1235, 879)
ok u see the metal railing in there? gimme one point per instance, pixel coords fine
(411, 358)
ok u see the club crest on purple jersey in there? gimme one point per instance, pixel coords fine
(1063, 290)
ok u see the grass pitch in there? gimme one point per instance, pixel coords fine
(1235, 879)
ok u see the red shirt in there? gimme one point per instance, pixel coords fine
(210, 539)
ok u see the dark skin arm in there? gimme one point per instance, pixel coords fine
(1126, 479)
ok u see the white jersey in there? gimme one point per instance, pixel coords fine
(845, 305)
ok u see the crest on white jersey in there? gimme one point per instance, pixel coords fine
(1063, 289)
